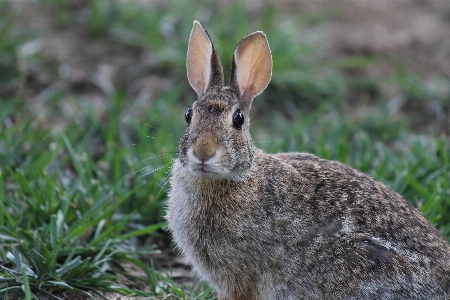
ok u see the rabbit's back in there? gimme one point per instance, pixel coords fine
(364, 239)
(367, 205)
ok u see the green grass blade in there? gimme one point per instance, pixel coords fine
(146, 230)
(26, 285)
(53, 233)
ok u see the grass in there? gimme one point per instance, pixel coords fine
(68, 217)
(79, 202)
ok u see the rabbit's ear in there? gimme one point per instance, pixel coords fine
(204, 68)
(252, 67)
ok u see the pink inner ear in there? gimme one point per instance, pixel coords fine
(247, 83)
(199, 59)
(243, 84)
(246, 92)
(253, 65)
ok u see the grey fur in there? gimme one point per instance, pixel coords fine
(292, 225)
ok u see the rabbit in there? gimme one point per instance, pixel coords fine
(288, 225)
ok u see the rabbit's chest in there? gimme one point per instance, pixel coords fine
(210, 230)
(216, 231)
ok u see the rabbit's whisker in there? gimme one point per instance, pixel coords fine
(154, 156)
(162, 187)
(153, 127)
(152, 171)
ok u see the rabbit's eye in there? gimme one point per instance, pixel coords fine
(188, 116)
(238, 119)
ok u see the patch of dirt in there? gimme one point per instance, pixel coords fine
(176, 266)
(413, 32)
(410, 35)
(419, 27)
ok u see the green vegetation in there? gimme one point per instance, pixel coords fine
(83, 188)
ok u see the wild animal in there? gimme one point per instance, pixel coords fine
(286, 225)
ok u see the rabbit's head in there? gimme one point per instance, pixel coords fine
(217, 142)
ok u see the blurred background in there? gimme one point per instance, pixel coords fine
(93, 95)
(379, 58)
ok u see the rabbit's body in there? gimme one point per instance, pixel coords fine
(324, 235)
(291, 225)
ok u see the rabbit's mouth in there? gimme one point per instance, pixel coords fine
(209, 168)
(204, 170)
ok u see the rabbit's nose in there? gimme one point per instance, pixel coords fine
(204, 149)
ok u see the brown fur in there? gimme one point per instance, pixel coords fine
(292, 225)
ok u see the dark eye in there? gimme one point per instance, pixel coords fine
(188, 116)
(238, 119)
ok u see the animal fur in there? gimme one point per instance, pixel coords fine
(288, 225)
